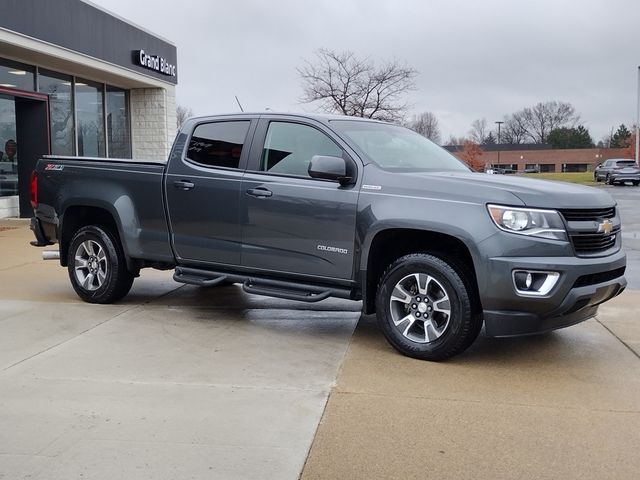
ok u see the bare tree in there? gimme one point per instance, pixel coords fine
(453, 140)
(479, 131)
(605, 141)
(544, 117)
(514, 129)
(345, 84)
(182, 113)
(426, 124)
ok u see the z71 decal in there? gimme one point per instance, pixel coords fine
(54, 166)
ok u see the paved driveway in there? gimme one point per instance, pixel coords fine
(185, 382)
(561, 405)
(176, 382)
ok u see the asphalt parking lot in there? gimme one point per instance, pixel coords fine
(185, 382)
(628, 199)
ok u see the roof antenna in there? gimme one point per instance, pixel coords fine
(241, 109)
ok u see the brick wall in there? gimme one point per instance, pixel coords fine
(153, 122)
(555, 157)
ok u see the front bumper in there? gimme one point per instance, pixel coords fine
(583, 285)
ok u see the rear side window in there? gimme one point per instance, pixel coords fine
(289, 147)
(218, 144)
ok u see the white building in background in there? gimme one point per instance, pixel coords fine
(77, 80)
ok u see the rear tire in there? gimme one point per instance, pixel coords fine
(97, 266)
(424, 308)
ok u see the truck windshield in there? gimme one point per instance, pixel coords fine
(397, 148)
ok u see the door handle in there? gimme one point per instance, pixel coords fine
(184, 184)
(259, 192)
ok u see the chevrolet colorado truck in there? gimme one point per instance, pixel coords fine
(306, 207)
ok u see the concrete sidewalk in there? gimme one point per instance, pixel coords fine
(185, 382)
(174, 382)
(560, 405)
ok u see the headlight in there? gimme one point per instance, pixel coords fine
(528, 221)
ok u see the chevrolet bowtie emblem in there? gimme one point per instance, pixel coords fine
(605, 227)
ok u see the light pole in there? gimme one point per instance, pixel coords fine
(638, 119)
(500, 123)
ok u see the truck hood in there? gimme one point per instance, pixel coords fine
(510, 189)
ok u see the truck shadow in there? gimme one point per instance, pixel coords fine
(543, 348)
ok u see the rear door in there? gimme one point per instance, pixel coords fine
(293, 223)
(202, 188)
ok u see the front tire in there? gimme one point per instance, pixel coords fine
(424, 308)
(97, 266)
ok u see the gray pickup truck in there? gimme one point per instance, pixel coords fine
(307, 207)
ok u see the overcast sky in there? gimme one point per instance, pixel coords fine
(475, 58)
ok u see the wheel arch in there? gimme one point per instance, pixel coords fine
(77, 216)
(387, 245)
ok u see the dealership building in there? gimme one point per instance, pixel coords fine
(77, 80)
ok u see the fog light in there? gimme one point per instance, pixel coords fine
(536, 283)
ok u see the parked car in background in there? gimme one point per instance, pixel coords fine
(532, 170)
(605, 171)
(630, 174)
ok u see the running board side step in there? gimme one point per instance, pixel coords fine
(268, 289)
(261, 286)
(182, 277)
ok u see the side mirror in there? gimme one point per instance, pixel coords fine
(329, 168)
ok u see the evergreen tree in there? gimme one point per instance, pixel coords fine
(565, 137)
(621, 138)
(489, 139)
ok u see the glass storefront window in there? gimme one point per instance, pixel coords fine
(17, 75)
(118, 123)
(90, 118)
(8, 150)
(77, 115)
(58, 87)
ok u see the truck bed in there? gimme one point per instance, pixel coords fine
(133, 188)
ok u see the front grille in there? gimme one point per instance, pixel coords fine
(589, 214)
(593, 243)
(595, 278)
(588, 243)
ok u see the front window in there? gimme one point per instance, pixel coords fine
(397, 148)
(289, 147)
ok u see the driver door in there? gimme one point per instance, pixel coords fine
(294, 223)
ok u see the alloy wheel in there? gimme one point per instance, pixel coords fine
(90, 265)
(420, 308)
